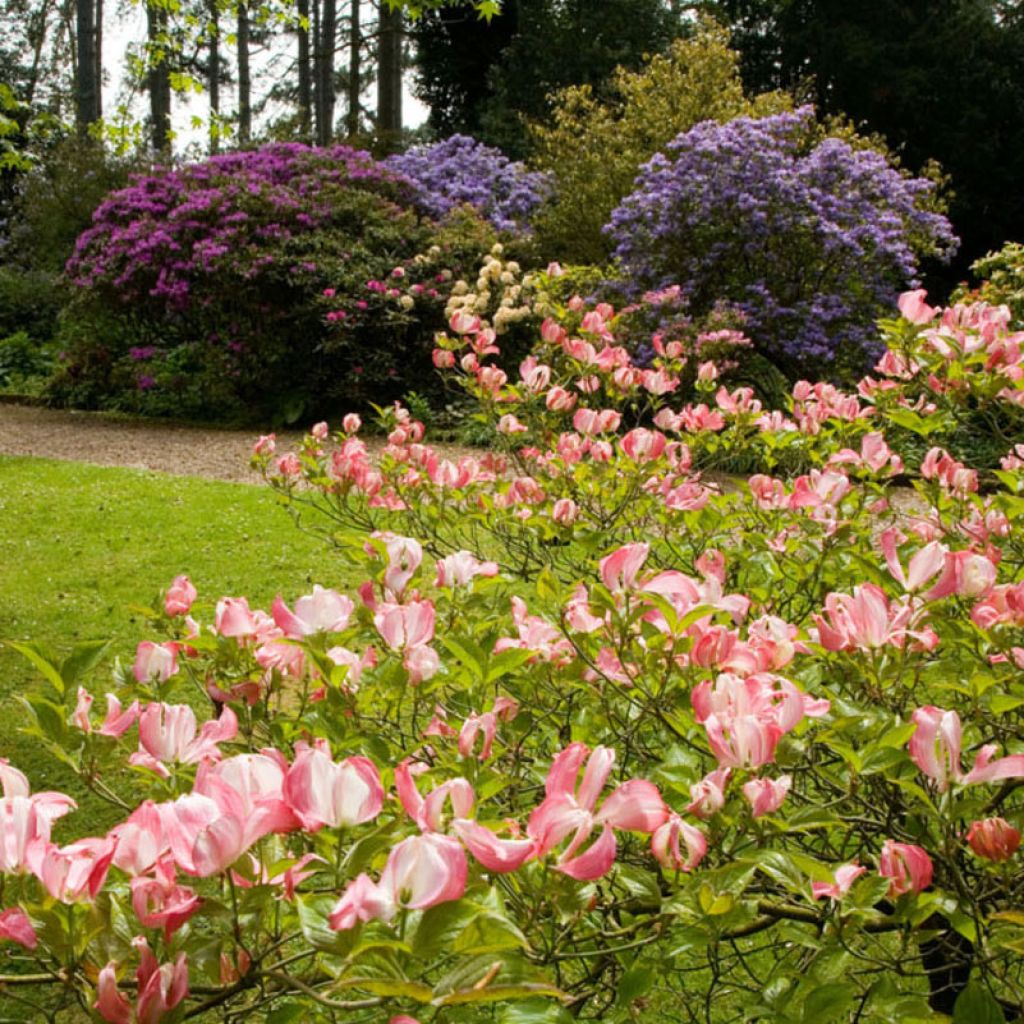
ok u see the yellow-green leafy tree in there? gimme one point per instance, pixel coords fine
(594, 146)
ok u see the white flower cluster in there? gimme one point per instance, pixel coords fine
(497, 296)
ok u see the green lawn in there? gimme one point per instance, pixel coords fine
(79, 545)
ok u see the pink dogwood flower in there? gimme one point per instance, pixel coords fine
(966, 574)
(459, 569)
(323, 611)
(935, 749)
(160, 902)
(405, 625)
(233, 617)
(180, 596)
(160, 988)
(909, 867)
(75, 871)
(536, 634)
(155, 663)
(404, 555)
(421, 872)
(258, 780)
(993, 839)
(486, 725)
(321, 791)
(642, 445)
(494, 853)
(865, 620)
(141, 839)
(913, 307)
(1004, 605)
(569, 810)
(167, 733)
(746, 718)
(766, 796)
(620, 570)
(843, 880)
(665, 844)
(707, 797)
(15, 926)
(924, 564)
(428, 813)
(117, 721)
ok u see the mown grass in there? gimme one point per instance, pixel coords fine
(80, 545)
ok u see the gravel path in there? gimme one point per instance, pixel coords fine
(112, 441)
(107, 440)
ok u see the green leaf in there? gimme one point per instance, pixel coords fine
(439, 927)
(470, 654)
(880, 760)
(827, 1002)
(43, 660)
(396, 988)
(499, 993)
(84, 657)
(488, 933)
(286, 1013)
(780, 868)
(714, 904)
(634, 984)
(976, 1005)
(533, 1011)
(547, 586)
(313, 912)
(641, 884)
(1010, 916)
(1003, 702)
(505, 662)
(964, 925)
(897, 736)
(912, 421)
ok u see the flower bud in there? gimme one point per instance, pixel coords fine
(564, 511)
(994, 839)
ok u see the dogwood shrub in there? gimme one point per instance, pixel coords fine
(813, 240)
(593, 737)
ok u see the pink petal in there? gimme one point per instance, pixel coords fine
(595, 862)
(635, 806)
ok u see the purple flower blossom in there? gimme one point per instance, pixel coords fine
(168, 230)
(461, 170)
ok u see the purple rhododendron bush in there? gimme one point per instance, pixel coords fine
(266, 282)
(811, 238)
(595, 737)
(459, 170)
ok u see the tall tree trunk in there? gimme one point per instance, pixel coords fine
(305, 76)
(325, 72)
(213, 75)
(159, 78)
(98, 58)
(86, 87)
(355, 43)
(37, 35)
(389, 78)
(244, 80)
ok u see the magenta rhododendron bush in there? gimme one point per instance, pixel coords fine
(594, 735)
